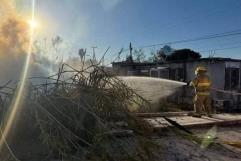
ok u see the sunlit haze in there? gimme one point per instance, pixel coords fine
(116, 23)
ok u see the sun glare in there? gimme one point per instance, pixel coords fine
(15, 105)
(33, 24)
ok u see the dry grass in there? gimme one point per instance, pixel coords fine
(76, 112)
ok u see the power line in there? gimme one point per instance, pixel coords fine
(209, 50)
(206, 37)
(211, 36)
(222, 45)
(115, 56)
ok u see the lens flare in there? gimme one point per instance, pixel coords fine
(209, 137)
(33, 24)
(14, 108)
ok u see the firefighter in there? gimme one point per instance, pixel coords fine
(202, 100)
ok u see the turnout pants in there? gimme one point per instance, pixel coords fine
(202, 104)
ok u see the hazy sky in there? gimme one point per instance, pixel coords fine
(115, 23)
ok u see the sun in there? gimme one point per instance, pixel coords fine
(33, 24)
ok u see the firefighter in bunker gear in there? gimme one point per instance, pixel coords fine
(202, 100)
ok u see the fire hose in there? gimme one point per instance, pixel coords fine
(174, 123)
(224, 91)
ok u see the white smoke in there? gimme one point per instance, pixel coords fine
(14, 42)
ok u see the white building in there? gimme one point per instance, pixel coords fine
(225, 74)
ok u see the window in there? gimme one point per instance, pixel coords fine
(172, 74)
(177, 74)
(231, 78)
(180, 74)
(154, 73)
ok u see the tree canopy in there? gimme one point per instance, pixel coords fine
(181, 54)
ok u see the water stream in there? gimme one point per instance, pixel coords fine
(152, 89)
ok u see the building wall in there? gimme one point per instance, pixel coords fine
(235, 100)
(236, 66)
(133, 70)
(121, 71)
(177, 71)
(216, 72)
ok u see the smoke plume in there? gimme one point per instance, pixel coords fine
(14, 42)
(13, 36)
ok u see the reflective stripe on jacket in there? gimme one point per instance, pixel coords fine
(202, 85)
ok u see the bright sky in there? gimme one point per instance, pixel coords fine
(116, 23)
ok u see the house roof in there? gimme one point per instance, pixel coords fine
(124, 63)
(213, 59)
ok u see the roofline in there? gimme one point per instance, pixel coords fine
(135, 63)
(216, 59)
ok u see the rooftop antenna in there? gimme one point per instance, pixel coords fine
(130, 58)
(212, 53)
(82, 54)
(130, 47)
(94, 57)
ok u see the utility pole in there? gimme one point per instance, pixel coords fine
(94, 57)
(130, 47)
(82, 54)
(130, 58)
(212, 53)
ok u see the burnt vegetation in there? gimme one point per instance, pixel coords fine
(82, 115)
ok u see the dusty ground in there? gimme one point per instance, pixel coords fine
(176, 148)
(173, 147)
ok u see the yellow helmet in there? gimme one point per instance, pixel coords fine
(200, 69)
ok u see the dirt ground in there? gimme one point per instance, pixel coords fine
(176, 148)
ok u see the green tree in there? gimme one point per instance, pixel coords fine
(183, 54)
(161, 55)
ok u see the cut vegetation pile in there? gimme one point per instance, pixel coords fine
(83, 115)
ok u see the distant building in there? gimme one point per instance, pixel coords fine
(225, 74)
(127, 68)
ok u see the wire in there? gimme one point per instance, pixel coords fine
(227, 92)
(212, 36)
(234, 47)
(206, 37)
(115, 56)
